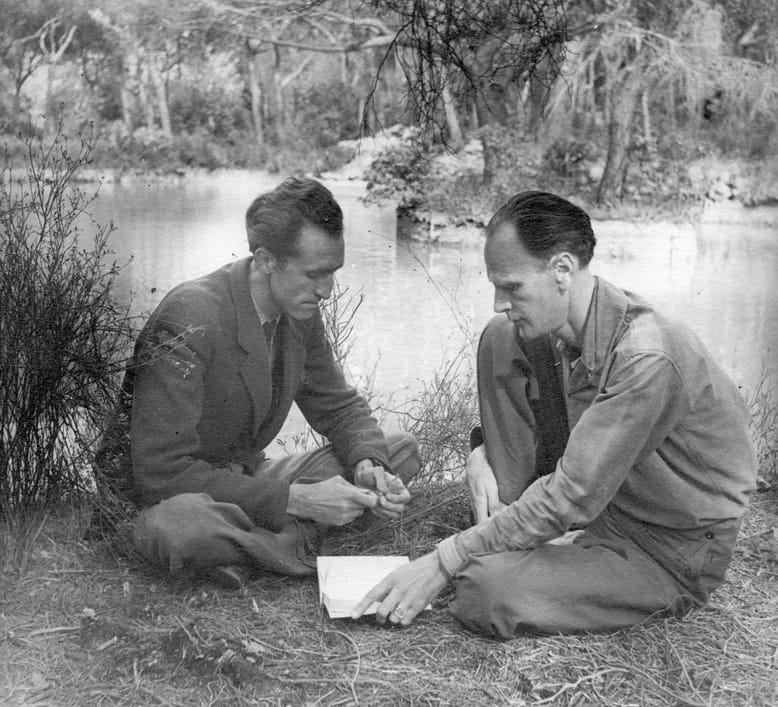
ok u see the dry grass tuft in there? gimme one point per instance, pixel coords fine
(82, 624)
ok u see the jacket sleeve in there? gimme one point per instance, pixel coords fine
(171, 361)
(335, 409)
(644, 399)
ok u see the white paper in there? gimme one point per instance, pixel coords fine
(344, 580)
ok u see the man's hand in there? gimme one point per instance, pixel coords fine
(406, 591)
(484, 496)
(392, 495)
(331, 502)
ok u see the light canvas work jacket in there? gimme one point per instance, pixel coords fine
(658, 431)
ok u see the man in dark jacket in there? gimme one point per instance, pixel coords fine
(214, 375)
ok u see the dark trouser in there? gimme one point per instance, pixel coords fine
(619, 571)
(191, 531)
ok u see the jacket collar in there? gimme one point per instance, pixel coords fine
(249, 328)
(607, 310)
(248, 322)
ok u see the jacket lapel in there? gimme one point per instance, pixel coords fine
(255, 370)
(294, 356)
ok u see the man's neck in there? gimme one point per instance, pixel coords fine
(581, 292)
(259, 287)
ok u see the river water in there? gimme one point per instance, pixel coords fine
(421, 302)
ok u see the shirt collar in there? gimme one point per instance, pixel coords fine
(607, 309)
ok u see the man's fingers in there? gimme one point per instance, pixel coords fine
(364, 497)
(390, 505)
(350, 516)
(391, 600)
(480, 507)
(377, 593)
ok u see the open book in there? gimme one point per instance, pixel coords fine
(344, 580)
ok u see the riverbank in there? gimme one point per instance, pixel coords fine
(442, 198)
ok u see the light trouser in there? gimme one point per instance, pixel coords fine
(191, 531)
(618, 571)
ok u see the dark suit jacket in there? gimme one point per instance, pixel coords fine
(201, 392)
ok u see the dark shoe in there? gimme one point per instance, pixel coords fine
(290, 552)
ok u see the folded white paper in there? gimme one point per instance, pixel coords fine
(344, 580)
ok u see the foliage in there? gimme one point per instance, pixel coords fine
(206, 96)
(481, 49)
(763, 405)
(64, 335)
(441, 416)
(338, 313)
(324, 112)
(398, 174)
(567, 156)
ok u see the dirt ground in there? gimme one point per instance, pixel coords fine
(81, 624)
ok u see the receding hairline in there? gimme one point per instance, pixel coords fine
(545, 225)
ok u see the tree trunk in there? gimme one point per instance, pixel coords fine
(143, 94)
(274, 103)
(158, 82)
(452, 120)
(255, 91)
(646, 116)
(53, 48)
(127, 100)
(623, 98)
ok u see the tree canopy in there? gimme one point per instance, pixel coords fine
(276, 75)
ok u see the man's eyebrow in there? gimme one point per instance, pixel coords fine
(322, 271)
(505, 282)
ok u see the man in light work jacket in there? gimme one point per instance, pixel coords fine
(216, 370)
(598, 413)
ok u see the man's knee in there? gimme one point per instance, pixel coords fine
(187, 529)
(404, 455)
(490, 600)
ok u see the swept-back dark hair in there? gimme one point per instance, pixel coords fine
(274, 220)
(547, 224)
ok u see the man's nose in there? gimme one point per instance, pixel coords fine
(324, 285)
(501, 303)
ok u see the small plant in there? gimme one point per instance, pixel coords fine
(441, 416)
(64, 335)
(763, 405)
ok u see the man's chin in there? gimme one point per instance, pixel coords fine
(304, 312)
(524, 332)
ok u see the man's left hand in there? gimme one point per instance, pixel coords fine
(393, 497)
(405, 592)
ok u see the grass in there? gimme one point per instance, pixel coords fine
(83, 624)
(86, 623)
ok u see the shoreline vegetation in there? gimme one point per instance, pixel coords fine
(446, 202)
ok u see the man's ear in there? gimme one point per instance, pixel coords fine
(265, 260)
(565, 266)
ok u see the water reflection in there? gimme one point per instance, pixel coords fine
(417, 300)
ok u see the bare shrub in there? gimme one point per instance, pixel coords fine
(763, 406)
(441, 416)
(64, 336)
(338, 313)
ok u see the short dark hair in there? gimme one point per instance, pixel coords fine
(547, 224)
(275, 219)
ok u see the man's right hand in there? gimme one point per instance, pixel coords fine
(331, 502)
(484, 495)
